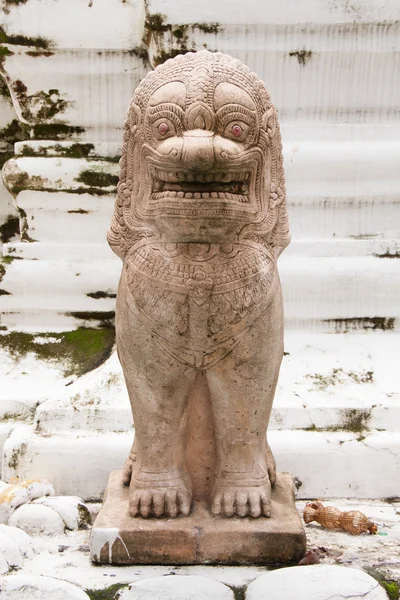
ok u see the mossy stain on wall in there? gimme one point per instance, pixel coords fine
(71, 151)
(367, 323)
(100, 294)
(55, 131)
(80, 351)
(170, 40)
(9, 135)
(23, 40)
(97, 179)
(40, 107)
(9, 229)
(303, 56)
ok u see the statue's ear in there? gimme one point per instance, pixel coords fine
(120, 236)
(277, 200)
(134, 117)
(269, 121)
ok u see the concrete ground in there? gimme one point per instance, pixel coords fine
(66, 557)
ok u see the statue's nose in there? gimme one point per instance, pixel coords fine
(197, 149)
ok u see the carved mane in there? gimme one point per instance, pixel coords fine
(200, 72)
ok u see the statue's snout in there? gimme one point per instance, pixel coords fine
(199, 149)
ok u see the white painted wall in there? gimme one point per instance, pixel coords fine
(333, 70)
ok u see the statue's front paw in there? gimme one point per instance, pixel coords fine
(164, 499)
(246, 500)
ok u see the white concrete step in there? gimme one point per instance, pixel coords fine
(61, 206)
(373, 245)
(325, 464)
(335, 423)
(320, 292)
(327, 382)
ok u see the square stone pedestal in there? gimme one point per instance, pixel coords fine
(200, 538)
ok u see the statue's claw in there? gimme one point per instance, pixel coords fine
(246, 500)
(149, 499)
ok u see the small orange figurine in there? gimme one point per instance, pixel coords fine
(352, 521)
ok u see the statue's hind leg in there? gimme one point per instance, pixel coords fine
(158, 387)
(242, 388)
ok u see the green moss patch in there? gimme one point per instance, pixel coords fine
(98, 295)
(80, 351)
(140, 52)
(41, 106)
(156, 27)
(73, 151)
(164, 55)
(55, 131)
(97, 179)
(339, 376)
(388, 254)
(303, 56)
(366, 323)
(23, 40)
(389, 583)
(9, 229)
(36, 53)
(156, 22)
(19, 181)
(105, 318)
(208, 27)
(353, 420)
(108, 593)
(9, 135)
(14, 2)
(4, 52)
(77, 150)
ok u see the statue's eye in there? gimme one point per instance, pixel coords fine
(163, 128)
(236, 130)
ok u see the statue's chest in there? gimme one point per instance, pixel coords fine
(198, 291)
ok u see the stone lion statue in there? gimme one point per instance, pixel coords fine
(200, 220)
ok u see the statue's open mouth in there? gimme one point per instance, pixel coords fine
(210, 185)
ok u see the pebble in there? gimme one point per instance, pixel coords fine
(29, 587)
(10, 555)
(315, 582)
(176, 587)
(37, 519)
(71, 509)
(25, 543)
(12, 496)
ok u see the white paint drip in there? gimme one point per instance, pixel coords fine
(100, 537)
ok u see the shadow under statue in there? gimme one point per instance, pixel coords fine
(200, 220)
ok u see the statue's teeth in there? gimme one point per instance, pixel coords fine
(172, 194)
